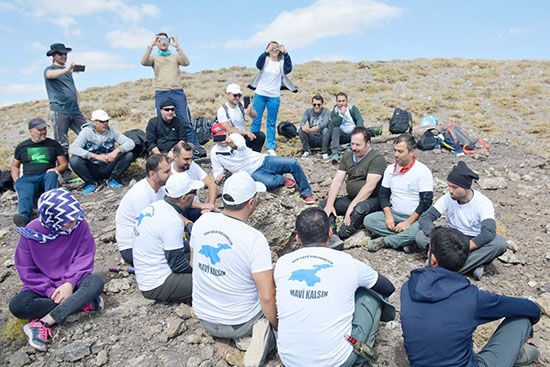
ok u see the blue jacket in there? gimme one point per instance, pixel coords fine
(440, 310)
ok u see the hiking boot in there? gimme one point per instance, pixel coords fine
(306, 154)
(325, 157)
(336, 243)
(478, 272)
(408, 249)
(271, 152)
(257, 351)
(19, 220)
(114, 184)
(309, 200)
(376, 244)
(94, 306)
(335, 158)
(527, 355)
(38, 334)
(242, 343)
(89, 189)
(289, 182)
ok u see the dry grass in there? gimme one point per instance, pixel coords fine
(13, 330)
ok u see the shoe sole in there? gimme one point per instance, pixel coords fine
(256, 352)
(28, 333)
(310, 202)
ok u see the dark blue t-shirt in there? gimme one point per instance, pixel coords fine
(62, 92)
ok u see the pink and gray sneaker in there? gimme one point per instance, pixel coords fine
(95, 306)
(38, 334)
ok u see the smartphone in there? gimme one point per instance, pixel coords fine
(246, 101)
(79, 68)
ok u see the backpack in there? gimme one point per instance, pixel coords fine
(457, 140)
(401, 121)
(287, 129)
(6, 182)
(140, 139)
(226, 109)
(202, 127)
(429, 140)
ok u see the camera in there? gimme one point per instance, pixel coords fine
(165, 41)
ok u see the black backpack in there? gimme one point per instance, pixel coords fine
(6, 182)
(401, 121)
(287, 129)
(429, 140)
(202, 127)
(140, 139)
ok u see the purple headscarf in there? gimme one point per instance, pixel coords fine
(56, 208)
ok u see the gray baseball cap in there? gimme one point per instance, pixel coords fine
(37, 123)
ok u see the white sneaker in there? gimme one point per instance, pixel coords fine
(306, 154)
(257, 351)
(271, 152)
(325, 157)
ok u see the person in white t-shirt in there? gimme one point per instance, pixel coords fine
(183, 163)
(231, 153)
(141, 195)
(161, 248)
(406, 193)
(233, 289)
(232, 115)
(470, 212)
(274, 64)
(324, 295)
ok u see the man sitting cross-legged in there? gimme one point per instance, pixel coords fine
(323, 295)
(231, 153)
(440, 310)
(406, 193)
(314, 128)
(233, 289)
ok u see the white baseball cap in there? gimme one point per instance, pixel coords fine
(241, 187)
(180, 184)
(100, 115)
(233, 89)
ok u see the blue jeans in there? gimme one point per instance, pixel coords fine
(271, 173)
(28, 187)
(182, 110)
(259, 103)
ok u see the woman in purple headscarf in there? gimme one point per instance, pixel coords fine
(55, 261)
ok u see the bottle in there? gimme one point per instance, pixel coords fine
(362, 349)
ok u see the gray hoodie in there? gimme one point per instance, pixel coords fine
(90, 141)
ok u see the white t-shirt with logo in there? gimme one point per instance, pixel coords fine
(235, 160)
(467, 217)
(134, 201)
(269, 84)
(226, 252)
(406, 187)
(315, 303)
(236, 117)
(158, 228)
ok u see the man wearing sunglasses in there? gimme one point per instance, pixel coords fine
(232, 115)
(314, 129)
(167, 130)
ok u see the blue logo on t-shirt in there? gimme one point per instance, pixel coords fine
(142, 216)
(309, 276)
(212, 252)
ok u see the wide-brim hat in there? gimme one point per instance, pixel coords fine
(58, 48)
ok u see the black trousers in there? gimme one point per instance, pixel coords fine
(91, 172)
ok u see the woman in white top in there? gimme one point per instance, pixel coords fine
(274, 64)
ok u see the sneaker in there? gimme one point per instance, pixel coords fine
(67, 176)
(19, 220)
(309, 200)
(408, 249)
(335, 158)
(527, 355)
(38, 334)
(271, 152)
(242, 343)
(376, 244)
(257, 351)
(336, 243)
(94, 306)
(306, 154)
(114, 184)
(89, 188)
(289, 182)
(325, 157)
(478, 272)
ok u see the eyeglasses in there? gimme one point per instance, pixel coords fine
(103, 122)
(317, 104)
(169, 109)
(238, 95)
(341, 100)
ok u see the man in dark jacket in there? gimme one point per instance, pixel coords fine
(440, 311)
(167, 130)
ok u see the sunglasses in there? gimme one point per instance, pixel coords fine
(169, 109)
(237, 95)
(317, 104)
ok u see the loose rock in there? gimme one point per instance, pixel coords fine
(493, 183)
(184, 311)
(357, 240)
(102, 358)
(19, 359)
(75, 351)
(175, 327)
(118, 285)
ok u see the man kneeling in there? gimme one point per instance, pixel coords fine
(323, 295)
(440, 310)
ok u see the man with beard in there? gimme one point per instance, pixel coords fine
(141, 195)
(470, 212)
(183, 164)
(314, 129)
